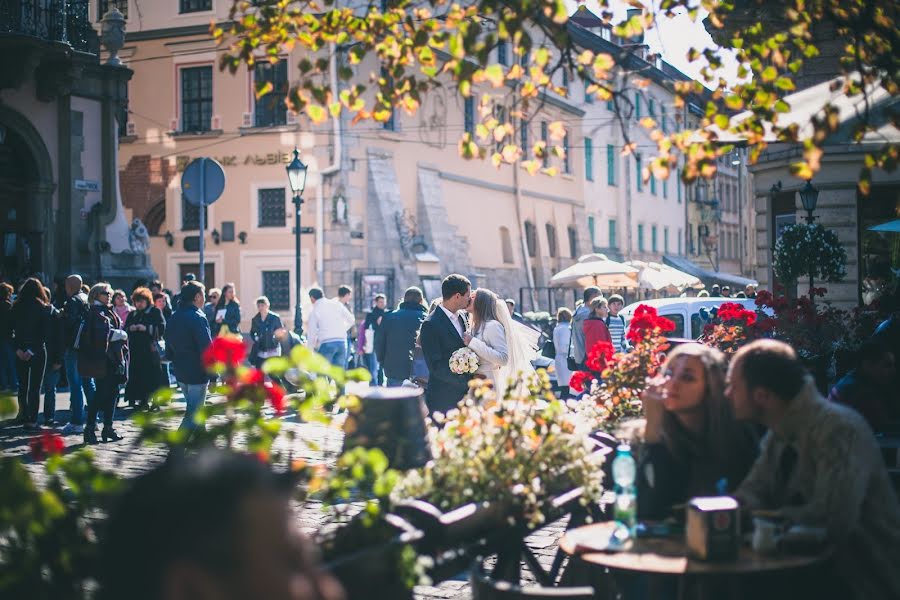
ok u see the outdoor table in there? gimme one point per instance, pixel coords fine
(667, 556)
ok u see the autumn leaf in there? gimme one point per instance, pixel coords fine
(316, 113)
(531, 166)
(557, 130)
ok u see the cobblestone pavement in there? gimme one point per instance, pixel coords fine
(129, 459)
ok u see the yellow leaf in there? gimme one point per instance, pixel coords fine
(511, 153)
(604, 62)
(335, 109)
(316, 113)
(557, 130)
(585, 58)
(482, 131)
(541, 57)
(532, 166)
(496, 159)
(648, 123)
(410, 105)
(262, 90)
(494, 74)
(551, 171)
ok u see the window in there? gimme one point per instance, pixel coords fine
(270, 109)
(588, 159)
(573, 241)
(104, 6)
(531, 238)
(651, 108)
(565, 80)
(665, 185)
(653, 238)
(190, 216)
(588, 96)
(610, 104)
(637, 105)
(640, 237)
(276, 286)
(546, 159)
(271, 207)
(592, 233)
(679, 241)
(637, 169)
(567, 159)
(391, 123)
(469, 114)
(612, 234)
(610, 164)
(523, 137)
(500, 115)
(196, 98)
(678, 186)
(664, 124)
(189, 6)
(666, 240)
(551, 240)
(506, 246)
(653, 185)
(503, 52)
(677, 320)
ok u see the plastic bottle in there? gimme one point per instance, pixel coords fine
(624, 471)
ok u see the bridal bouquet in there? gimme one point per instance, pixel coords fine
(463, 361)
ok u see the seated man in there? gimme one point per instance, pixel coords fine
(869, 388)
(819, 466)
(215, 526)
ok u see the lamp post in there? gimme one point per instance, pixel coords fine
(736, 163)
(296, 171)
(809, 196)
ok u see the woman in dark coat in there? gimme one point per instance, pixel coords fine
(145, 326)
(228, 312)
(102, 351)
(30, 323)
(262, 332)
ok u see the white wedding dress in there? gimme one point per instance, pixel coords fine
(493, 354)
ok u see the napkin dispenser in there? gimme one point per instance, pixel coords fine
(713, 528)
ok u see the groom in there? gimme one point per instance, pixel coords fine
(441, 336)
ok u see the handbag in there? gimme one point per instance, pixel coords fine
(369, 346)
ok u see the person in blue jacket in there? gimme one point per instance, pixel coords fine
(187, 336)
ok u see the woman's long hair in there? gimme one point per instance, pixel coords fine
(31, 292)
(723, 438)
(484, 309)
(222, 302)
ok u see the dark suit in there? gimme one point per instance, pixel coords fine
(439, 340)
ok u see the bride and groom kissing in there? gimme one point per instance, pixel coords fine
(480, 321)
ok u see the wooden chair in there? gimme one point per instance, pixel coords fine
(485, 588)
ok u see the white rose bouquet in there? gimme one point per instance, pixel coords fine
(463, 361)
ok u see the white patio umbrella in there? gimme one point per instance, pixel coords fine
(655, 276)
(596, 269)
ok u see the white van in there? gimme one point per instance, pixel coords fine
(685, 312)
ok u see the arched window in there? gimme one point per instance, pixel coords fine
(551, 240)
(506, 246)
(573, 241)
(531, 238)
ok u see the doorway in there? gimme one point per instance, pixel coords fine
(209, 271)
(20, 248)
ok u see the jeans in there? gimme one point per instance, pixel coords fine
(8, 378)
(79, 388)
(394, 382)
(371, 362)
(194, 397)
(51, 380)
(335, 352)
(31, 377)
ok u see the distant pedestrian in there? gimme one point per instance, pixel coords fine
(716, 291)
(101, 356)
(187, 336)
(55, 351)
(395, 339)
(870, 387)
(145, 326)
(74, 318)
(121, 305)
(516, 316)
(595, 328)
(209, 309)
(327, 327)
(156, 287)
(228, 312)
(750, 290)
(8, 378)
(617, 324)
(345, 295)
(31, 314)
(561, 334)
(726, 292)
(262, 332)
(577, 351)
(369, 331)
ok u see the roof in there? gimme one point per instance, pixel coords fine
(584, 17)
(708, 277)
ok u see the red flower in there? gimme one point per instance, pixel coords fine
(599, 356)
(227, 350)
(645, 322)
(275, 394)
(253, 377)
(48, 444)
(579, 379)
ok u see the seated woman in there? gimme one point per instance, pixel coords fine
(694, 445)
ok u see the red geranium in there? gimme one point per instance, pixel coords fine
(599, 356)
(730, 312)
(47, 444)
(227, 350)
(276, 394)
(647, 322)
(579, 380)
(252, 385)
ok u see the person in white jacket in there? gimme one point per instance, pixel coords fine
(502, 353)
(327, 327)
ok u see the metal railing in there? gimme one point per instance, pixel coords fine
(52, 20)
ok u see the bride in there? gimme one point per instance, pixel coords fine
(502, 351)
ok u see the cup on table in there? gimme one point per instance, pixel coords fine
(765, 536)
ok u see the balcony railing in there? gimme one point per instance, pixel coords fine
(51, 20)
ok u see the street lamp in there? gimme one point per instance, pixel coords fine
(809, 196)
(296, 171)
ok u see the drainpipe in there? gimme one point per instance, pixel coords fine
(331, 169)
(527, 259)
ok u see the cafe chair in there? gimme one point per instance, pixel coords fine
(486, 588)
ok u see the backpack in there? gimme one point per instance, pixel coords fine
(75, 317)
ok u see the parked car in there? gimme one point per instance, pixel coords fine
(685, 312)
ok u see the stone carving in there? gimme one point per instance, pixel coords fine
(138, 237)
(112, 27)
(406, 231)
(339, 209)
(433, 119)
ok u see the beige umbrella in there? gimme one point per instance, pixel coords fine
(596, 269)
(655, 276)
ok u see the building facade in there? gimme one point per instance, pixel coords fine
(60, 208)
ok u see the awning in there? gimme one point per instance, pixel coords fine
(708, 277)
(890, 226)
